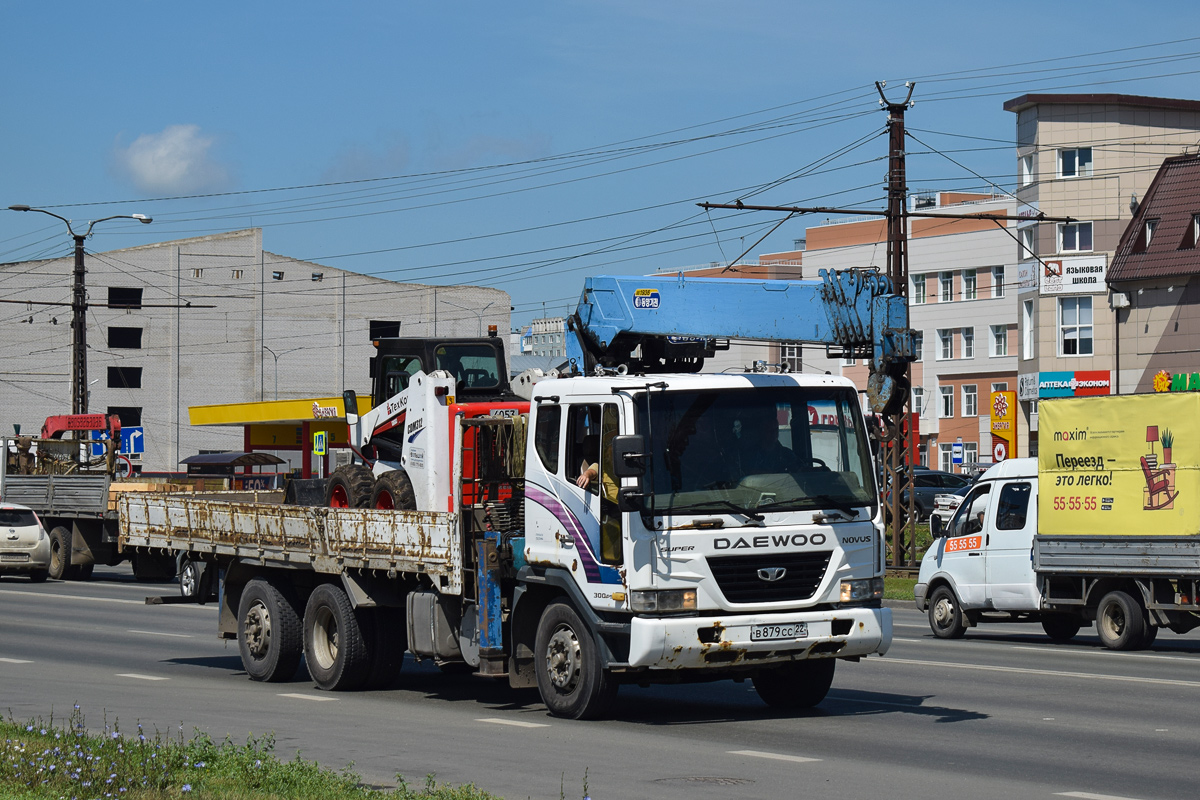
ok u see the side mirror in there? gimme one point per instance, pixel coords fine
(935, 527)
(629, 456)
(629, 498)
(350, 401)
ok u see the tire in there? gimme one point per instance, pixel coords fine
(1120, 621)
(349, 487)
(570, 678)
(386, 642)
(189, 579)
(393, 490)
(39, 575)
(1061, 627)
(334, 646)
(1148, 636)
(269, 632)
(60, 554)
(83, 572)
(945, 616)
(799, 684)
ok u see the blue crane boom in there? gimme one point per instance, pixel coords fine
(671, 324)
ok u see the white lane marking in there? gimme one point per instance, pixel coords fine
(141, 677)
(93, 599)
(313, 697)
(163, 633)
(15, 661)
(1050, 672)
(1092, 796)
(772, 756)
(516, 723)
(1105, 653)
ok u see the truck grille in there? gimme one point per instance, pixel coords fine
(740, 583)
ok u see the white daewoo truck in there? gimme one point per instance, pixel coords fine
(602, 529)
(1101, 527)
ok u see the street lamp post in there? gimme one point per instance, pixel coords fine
(276, 357)
(79, 305)
(478, 314)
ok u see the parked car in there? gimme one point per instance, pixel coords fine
(24, 545)
(944, 506)
(929, 483)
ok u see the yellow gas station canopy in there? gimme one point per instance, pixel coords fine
(291, 412)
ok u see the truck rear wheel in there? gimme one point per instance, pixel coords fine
(334, 646)
(571, 680)
(60, 554)
(393, 490)
(1061, 627)
(945, 617)
(386, 643)
(268, 632)
(799, 684)
(1120, 622)
(349, 487)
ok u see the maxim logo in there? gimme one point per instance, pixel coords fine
(771, 574)
(1070, 436)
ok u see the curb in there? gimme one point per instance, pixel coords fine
(911, 605)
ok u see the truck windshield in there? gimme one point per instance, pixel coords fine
(472, 365)
(778, 448)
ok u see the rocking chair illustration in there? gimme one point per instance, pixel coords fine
(1159, 493)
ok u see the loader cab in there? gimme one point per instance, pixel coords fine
(478, 366)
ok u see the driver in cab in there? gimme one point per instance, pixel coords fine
(759, 450)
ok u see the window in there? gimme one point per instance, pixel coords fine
(1151, 226)
(1195, 229)
(923, 454)
(792, 356)
(583, 442)
(124, 377)
(945, 457)
(1075, 326)
(947, 409)
(970, 453)
(918, 289)
(945, 287)
(199, 273)
(970, 400)
(970, 516)
(945, 344)
(545, 438)
(1000, 387)
(1075, 237)
(1026, 169)
(968, 341)
(1013, 508)
(383, 329)
(970, 284)
(1027, 329)
(1075, 163)
(236, 274)
(123, 297)
(999, 340)
(848, 361)
(125, 338)
(130, 417)
(998, 281)
(918, 345)
(1027, 242)
(918, 400)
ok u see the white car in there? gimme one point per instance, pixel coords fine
(24, 545)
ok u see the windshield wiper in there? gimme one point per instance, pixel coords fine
(814, 501)
(721, 503)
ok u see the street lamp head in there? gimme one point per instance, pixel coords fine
(142, 218)
(19, 208)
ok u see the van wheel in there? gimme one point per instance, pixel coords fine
(1120, 621)
(60, 554)
(334, 647)
(268, 632)
(1061, 628)
(393, 490)
(349, 487)
(570, 677)
(945, 617)
(800, 684)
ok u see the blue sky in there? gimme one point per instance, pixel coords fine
(523, 145)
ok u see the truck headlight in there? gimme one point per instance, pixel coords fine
(664, 601)
(862, 590)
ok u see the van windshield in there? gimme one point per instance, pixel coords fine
(779, 448)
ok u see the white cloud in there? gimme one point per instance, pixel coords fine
(176, 160)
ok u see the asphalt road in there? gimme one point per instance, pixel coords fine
(1002, 713)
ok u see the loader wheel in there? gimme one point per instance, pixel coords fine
(334, 646)
(394, 490)
(60, 554)
(799, 684)
(349, 487)
(570, 676)
(269, 636)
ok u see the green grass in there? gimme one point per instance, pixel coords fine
(48, 759)
(898, 588)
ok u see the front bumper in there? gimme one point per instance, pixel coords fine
(25, 559)
(677, 643)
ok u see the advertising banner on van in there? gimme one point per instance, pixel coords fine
(1119, 466)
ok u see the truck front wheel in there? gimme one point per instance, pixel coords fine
(799, 684)
(945, 617)
(571, 680)
(1120, 622)
(60, 553)
(334, 646)
(268, 632)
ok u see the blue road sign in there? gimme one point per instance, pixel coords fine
(133, 441)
